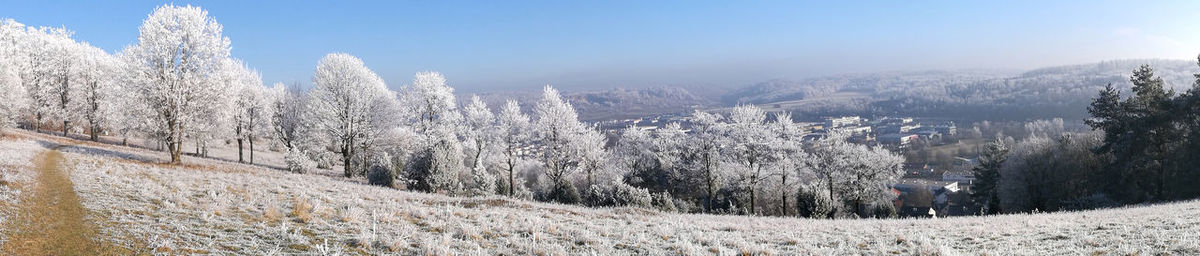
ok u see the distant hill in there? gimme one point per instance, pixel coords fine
(1060, 91)
(616, 103)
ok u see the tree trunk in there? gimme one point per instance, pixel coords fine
(66, 125)
(94, 129)
(710, 180)
(511, 186)
(176, 152)
(346, 159)
(829, 178)
(753, 193)
(783, 185)
(174, 141)
(753, 197)
(589, 178)
(240, 159)
(251, 150)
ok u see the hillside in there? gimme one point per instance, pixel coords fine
(218, 207)
(616, 103)
(1060, 91)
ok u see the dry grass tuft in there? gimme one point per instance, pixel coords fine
(272, 214)
(301, 209)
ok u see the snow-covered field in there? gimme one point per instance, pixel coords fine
(16, 174)
(219, 207)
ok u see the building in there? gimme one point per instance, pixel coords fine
(897, 121)
(835, 122)
(947, 129)
(929, 135)
(854, 130)
(965, 163)
(941, 189)
(897, 140)
(899, 128)
(964, 178)
(813, 137)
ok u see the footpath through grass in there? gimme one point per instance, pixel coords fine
(50, 220)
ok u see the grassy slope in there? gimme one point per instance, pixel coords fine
(218, 207)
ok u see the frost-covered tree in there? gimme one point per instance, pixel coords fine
(96, 72)
(751, 148)
(557, 130)
(12, 95)
(513, 130)
(66, 55)
(702, 154)
(251, 112)
(181, 55)
(480, 134)
(853, 174)
(125, 115)
(480, 125)
(866, 180)
(345, 98)
(40, 68)
(430, 101)
(790, 156)
(287, 114)
(592, 155)
(651, 159)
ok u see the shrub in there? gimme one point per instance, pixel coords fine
(380, 173)
(884, 210)
(325, 160)
(501, 186)
(812, 204)
(298, 162)
(595, 196)
(522, 192)
(626, 195)
(417, 171)
(663, 202)
(482, 182)
(564, 193)
(436, 169)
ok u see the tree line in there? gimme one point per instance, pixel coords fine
(1143, 149)
(178, 83)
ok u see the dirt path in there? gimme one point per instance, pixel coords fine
(50, 220)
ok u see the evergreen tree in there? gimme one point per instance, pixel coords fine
(987, 175)
(1106, 113)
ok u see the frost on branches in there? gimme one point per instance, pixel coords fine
(180, 58)
(345, 97)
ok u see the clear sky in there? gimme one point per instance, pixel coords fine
(501, 45)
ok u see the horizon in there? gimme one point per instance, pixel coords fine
(590, 46)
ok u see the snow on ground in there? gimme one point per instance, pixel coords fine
(16, 174)
(218, 207)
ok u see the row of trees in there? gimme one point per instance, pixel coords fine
(52, 77)
(178, 84)
(1143, 149)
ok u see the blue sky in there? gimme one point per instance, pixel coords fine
(502, 45)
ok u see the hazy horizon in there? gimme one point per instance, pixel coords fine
(489, 46)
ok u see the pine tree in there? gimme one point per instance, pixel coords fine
(1106, 113)
(987, 175)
